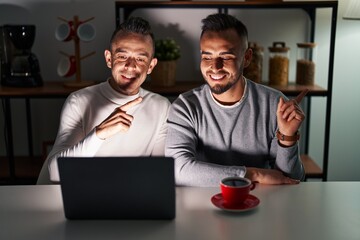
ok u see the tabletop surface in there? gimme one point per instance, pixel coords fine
(310, 210)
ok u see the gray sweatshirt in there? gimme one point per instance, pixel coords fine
(210, 141)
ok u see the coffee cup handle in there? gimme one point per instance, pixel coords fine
(252, 186)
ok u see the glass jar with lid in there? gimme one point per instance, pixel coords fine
(254, 70)
(305, 63)
(279, 64)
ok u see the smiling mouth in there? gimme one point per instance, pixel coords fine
(217, 77)
(128, 77)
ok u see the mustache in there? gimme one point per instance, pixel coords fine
(129, 74)
(211, 72)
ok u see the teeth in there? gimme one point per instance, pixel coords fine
(217, 77)
(129, 77)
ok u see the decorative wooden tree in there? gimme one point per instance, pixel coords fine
(74, 36)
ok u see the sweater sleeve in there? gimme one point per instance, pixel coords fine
(181, 144)
(288, 160)
(159, 146)
(71, 139)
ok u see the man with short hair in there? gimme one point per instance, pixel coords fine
(116, 117)
(229, 126)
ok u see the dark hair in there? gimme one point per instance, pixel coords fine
(134, 25)
(220, 22)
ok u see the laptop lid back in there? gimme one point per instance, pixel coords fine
(117, 187)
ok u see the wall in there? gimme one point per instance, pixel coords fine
(343, 164)
(44, 14)
(344, 153)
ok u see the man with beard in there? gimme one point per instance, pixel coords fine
(231, 126)
(116, 117)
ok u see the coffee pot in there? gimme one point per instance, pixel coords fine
(19, 66)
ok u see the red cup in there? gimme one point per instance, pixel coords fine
(235, 190)
(67, 66)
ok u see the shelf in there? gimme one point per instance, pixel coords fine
(312, 170)
(49, 89)
(295, 89)
(308, 6)
(226, 4)
(57, 89)
(183, 86)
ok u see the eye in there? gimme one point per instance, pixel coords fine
(140, 59)
(227, 57)
(121, 56)
(206, 58)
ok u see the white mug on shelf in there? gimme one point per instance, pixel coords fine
(65, 31)
(86, 32)
(83, 30)
(66, 66)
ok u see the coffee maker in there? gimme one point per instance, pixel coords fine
(19, 66)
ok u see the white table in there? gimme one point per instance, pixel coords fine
(311, 210)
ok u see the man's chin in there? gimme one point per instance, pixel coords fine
(219, 89)
(130, 88)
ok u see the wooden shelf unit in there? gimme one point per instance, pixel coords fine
(123, 10)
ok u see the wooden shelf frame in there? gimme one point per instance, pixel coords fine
(123, 10)
(183, 86)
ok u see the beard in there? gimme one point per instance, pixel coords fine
(219, 88)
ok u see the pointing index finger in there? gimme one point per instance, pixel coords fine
(130, 104)
(301, 95)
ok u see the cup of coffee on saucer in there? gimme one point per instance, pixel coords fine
(235, 190)
(235, 194)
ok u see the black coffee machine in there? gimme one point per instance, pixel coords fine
(19, 66)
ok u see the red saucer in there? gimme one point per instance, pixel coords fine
(250, 203)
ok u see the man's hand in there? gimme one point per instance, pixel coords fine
(268, 176)
(290, 115)
(118, 121)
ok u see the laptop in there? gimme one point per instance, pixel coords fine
(117, 187)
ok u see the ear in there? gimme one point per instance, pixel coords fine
(152, 65)
(107, 55)
(247, 57)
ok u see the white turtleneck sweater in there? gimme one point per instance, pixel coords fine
(88, 107)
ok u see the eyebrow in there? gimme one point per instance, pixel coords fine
(121, 50)
(222, 53)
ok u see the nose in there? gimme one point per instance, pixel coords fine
(217, 64)
(130, 63)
